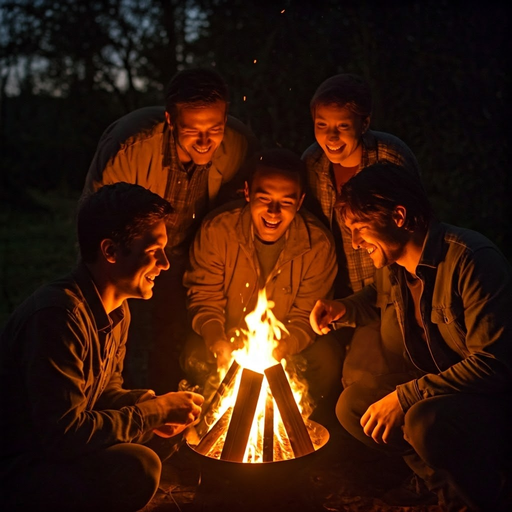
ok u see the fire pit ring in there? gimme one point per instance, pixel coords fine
(284, 485)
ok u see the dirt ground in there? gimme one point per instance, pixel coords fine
(342, 476)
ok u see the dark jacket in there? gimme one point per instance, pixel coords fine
(466, 306)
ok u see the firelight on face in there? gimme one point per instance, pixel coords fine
(338, 131)
(198, 131)
(274, 199)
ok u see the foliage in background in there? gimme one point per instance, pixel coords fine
(37, 245)
(439, 70)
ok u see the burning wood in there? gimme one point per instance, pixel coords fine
(257, 432)
(243, 416)
(292, 419)
(214, 434)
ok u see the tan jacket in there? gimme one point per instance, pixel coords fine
(223, 279)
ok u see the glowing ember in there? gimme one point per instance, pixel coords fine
(268, 438)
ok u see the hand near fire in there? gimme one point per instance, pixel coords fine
(181, 409)
(384, 419)
(325, 312)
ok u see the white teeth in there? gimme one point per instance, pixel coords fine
(270, 223)
(202, 150)
(331, 148)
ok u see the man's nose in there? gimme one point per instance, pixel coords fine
(274, 207)
(163, 261)
(203, 139)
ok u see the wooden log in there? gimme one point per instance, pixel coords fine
(226, 384)
(292, 419)
(243, 416)
(268, 430)
(209, 440)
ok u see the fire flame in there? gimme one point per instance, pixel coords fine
(262, 336)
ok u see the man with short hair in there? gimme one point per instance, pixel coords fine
(445, 408)
(72, 437)
(341, 109)
(267, 242)
(192, 154)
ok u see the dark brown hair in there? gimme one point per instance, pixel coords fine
(119, 212)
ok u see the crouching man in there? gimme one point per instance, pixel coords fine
(265, 242)
(445, 406)
(72, 437)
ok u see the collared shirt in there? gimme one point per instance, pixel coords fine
(356, 268)
(186, 190)
(139, 148)
(61, 358)
(465, 307)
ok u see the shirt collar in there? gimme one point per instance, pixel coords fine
(104, 322)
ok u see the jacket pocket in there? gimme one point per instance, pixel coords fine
(451, 325)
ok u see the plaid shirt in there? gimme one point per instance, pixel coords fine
(140, 148)
(356, 269)
(186, 190)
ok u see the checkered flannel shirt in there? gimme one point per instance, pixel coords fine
(377, 146)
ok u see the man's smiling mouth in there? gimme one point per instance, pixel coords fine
(271, 224)
(202, 150)
(335, 149)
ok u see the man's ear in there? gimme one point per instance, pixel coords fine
(168, 119)
(366, 123)
(246, 192)
(399, 215)
(109, 250)
(301, 200)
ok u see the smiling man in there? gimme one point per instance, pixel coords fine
(269, 242)
(341, 109)
(191, 153)
(446, 403)
(72, 437)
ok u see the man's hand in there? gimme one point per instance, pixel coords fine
(182, 408)
(281, 350)
(221, 350)
(384, 419)
(323, 313)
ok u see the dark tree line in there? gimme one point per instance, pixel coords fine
(439, 71)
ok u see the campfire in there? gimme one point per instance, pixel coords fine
(259, 412)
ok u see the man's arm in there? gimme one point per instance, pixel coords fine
(206, 300)
(484, 284)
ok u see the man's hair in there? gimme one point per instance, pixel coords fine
(375, 192)
(280, 159)
(195, 87)
(120, 212)
(345, 90)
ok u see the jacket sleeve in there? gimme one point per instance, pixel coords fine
(54, 377)
(483, 281)
(205, 277)
(316, 283)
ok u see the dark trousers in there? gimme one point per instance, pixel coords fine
(457, 443)
(123, 477)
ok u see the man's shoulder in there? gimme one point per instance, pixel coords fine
(317, 230)
(136, 125)
(313, 153)
(60, 294)
(225, 216)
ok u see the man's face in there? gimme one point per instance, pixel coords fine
(274, 198)
(198, 131)
(137, 267)
(338, 131)
(385, 243)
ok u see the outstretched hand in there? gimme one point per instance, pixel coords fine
(323, 313)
